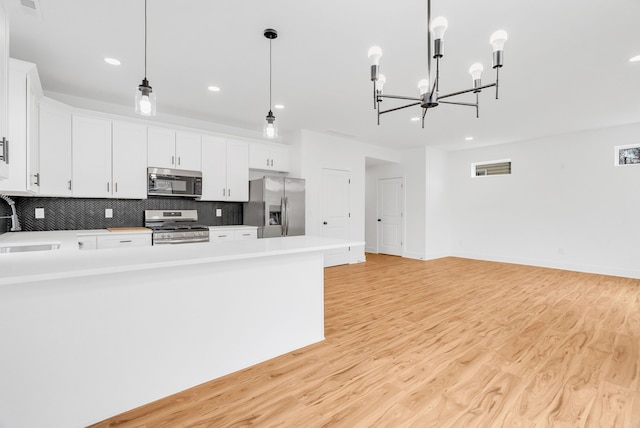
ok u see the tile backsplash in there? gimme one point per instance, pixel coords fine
(75, 213)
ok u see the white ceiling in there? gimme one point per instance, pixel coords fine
(566, 62)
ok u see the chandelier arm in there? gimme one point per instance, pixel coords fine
(458, 104)
(375, 95)
(398, 97)
(398, 108)
(497, 76)
(466, 91)
(477, 105)
(424, 113)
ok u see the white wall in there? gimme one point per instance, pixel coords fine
(565, 205)
(425, 210)
(311, 153)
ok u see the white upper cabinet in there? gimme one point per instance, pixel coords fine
(167, 148)
(269, 157)
(161, 147)
(55, 149)
(225, 170)
(91, 148)
(188, 154)
(109, 159)
(24, 92)
(4, 87)
(129, 156)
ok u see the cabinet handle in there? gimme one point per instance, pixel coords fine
(173, 160)
(246, 234)
(178, 160)
(69, 182)
(4, 155)
(222, 236)
(107, 187)
(36, 176)
(271, 162)
(125, 242)
(116, 187)
(228, 192)
(224, 192)
(267, 162)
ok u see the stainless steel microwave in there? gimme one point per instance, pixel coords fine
(174, 182)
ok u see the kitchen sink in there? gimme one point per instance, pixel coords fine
(25, 248)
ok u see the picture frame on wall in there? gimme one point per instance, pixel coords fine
(627, 155)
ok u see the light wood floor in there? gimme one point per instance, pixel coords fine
(449, 342)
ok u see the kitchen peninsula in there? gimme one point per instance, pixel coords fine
(90, 334)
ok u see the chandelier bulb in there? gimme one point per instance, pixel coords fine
(438, 27)
(476, 71)
(380, 82)
(498, 39)
(374, 55)
(423, 86)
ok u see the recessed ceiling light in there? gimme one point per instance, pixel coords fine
(468, 138)
(635, 59)
(214, 89)
(112, 61)
(415, 119)
(278, 106)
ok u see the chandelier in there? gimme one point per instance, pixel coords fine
(429, 95)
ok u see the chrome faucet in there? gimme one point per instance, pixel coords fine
(15, 223)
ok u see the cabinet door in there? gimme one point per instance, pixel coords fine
(237, 171)
(214, 169)
(55, 151)
(33, 141)
(16, 177)
(4, 79)
(129, 160)
(188, 154)
(161, 147)
(259, 156)
(91, 164)
(279, 159)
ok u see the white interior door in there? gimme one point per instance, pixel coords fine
(390, 224)
(335, 213)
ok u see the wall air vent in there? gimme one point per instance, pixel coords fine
(498, 167)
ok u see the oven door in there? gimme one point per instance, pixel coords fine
(167, 182)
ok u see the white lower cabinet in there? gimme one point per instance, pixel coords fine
(122, 240)
(232, 233)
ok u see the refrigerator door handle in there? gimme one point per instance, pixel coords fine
(286, 216)
(283, 217)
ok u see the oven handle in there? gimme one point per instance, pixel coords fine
(182, 241)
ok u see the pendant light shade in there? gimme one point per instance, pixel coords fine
(270, 130)
(145, 98)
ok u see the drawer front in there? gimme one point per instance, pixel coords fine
(221, 236)
(122, 241)
(246, 234)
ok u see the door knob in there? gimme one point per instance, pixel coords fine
(379, 219)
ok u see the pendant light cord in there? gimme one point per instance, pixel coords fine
(269, 74)
(145, 39)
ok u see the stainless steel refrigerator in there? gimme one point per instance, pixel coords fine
(276, 206)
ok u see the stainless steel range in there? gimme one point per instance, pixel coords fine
(175, 226)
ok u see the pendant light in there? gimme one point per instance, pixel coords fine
(145, 98)
(270, 129)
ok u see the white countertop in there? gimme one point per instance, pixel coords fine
(68, 261)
